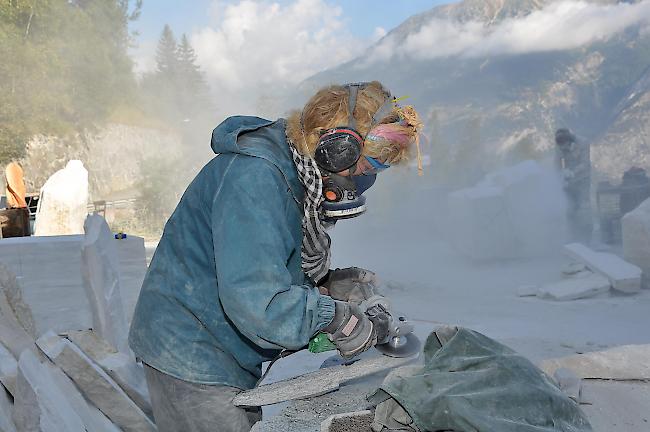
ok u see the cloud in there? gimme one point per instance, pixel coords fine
(561, 25)
(256, 48)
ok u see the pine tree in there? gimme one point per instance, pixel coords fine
(166, 54)
(193, 89)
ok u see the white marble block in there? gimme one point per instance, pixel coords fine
(62, 206)
(95, 384)
(636, 239)
(48, 271)
(514, 212)
(102, 282)
(625, 277)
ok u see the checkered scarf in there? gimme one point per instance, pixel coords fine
(315, 241)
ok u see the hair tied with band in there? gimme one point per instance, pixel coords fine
(398, 135)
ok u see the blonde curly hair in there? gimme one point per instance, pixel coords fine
(390, 140)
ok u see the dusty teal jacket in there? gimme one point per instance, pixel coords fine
(225, 290)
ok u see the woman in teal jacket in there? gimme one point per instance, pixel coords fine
(226, 289)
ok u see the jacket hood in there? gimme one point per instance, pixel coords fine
(258, 137)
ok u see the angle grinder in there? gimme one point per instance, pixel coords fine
(399, 341)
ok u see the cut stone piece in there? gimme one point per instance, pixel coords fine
(8, 370)
(6, 423)
(132, 258)
(48, 271)
(575, 288)
(62, 204)
(625, 277)
(40, 405)
(627, 362)
(102, 283)
(636, 239)
(316, 383)
(119, 366)
(358, 421)
(95, 384)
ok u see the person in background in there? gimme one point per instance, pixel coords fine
(242, 270)
(573, 160)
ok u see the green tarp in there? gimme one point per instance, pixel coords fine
(471, 383)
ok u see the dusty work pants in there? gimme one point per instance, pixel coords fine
(188, 407)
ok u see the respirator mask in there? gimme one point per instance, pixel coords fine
(340, 149)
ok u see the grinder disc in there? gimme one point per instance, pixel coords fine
(401, 346)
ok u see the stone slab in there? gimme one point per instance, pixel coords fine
(6, 407)
(627, 362)
(357, 421)
(95, 384)
(39, 404)
(575, 288)
(93, 418)
(307, 415)
(8, 370)
(119, 366)
(625, 277)
(102, 282)
(132, 258)
(48, 270)
(636, 239)
(316, 383)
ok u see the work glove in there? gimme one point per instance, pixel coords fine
(351, 284)
(353, 331)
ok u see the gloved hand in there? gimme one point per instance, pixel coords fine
(351, 284)
(353, 331)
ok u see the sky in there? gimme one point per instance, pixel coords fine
(363, 19)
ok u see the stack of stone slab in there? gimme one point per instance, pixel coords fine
(64, 357)
(514, 212)
(592, 273)
(636, 239)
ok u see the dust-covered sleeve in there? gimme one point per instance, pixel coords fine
(252, 245)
